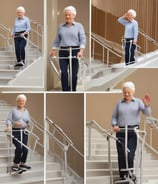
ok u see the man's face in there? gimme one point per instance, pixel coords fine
(128, 94)
(129, 16)
(21, 103)
(69, 17)
(20, 14)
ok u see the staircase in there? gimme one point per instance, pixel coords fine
(28, 77)
(99, 77)
(8, 60)
(97, 166)
(54, 172)
(7, 73)
(104, 74)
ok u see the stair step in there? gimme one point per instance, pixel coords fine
(53, 166)
(100, 172)
(97, 166)
(8, 60)
(100, 180)
(60, 180)
(100, 165)
(54, 173)
(26, 176)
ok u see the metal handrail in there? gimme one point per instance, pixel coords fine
(4, 35)
(149, 38)
(36, 125)
(39, 34)
(10, 137)
(57, 128)
(81, 72)
(153, 122)
(109, 135)
(27, 131)
(38, 45)
(96, 38)
(33, 124)
(65, 144)
(4, 28)
(104, 45)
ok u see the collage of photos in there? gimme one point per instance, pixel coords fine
(78, 92)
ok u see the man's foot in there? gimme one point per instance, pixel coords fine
(19, 64)
(130, 63)
(16, 170)
(26, 167)
(124, 181)
(133, 178)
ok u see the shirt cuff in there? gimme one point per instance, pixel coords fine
(82, 47)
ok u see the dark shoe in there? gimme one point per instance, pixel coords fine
(124, 180)
(25, 167)
(19, 64)
(130, 63)
(15, 168)
(133, 178)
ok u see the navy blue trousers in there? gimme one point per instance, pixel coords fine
(20, 44)
(20, 151)
(132, 145)
(129, 53)
(64, 66)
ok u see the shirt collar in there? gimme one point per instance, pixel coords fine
(20, 18)
(123, 100)
(18, 108)
(132, 20)
(64, 24)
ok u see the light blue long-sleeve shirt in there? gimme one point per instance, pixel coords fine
(17, 116)
(129, 113)
(73, 35)
(22, 24)
(131, 28)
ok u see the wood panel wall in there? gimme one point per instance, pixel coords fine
(106, 12)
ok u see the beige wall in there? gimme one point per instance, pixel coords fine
(99, 106)
(54, 15)
(34, 10)
(106, 12)
(54, 18)
(67, 111)
(35, 105)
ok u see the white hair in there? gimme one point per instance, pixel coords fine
(132, 12)
(21, 96)
(71, 8)
(21, 8)
(129, 85)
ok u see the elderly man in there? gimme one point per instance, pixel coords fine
(18, 119)
(70, 35)
(20, 33)
(127, 114)
(130, 35)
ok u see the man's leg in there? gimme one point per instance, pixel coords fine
(127, 53)
(64, 69)
(132, 58)
(22, 49)
(17, 49)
